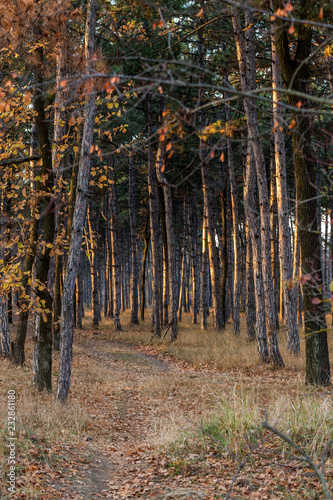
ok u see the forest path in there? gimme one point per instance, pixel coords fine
(135, 400)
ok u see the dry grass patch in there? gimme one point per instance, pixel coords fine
(221, 350)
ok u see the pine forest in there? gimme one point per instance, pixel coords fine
(166, 249)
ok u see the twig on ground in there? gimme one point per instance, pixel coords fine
(304, 457)
(323, 457)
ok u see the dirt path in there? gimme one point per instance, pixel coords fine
(142, 397)
(137, 401)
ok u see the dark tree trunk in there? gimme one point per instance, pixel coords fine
(144, 266)
(67, 320)
(18, 355)
(134, 266)
(44, 380)
(296, 74)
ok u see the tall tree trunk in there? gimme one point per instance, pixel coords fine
(224, 250)
(116, 275)
(194, 263)
(296, 74)
(154, 222)
(134, 266)
(58, 161)
(171, 242)
(236, 239)
(44, 380)
(143, 272)
(161, 203)
(67, 320)
(93, 238)
(245, 55)
(250, 304)
(274, 235)
(79, 292)
(18, 355)
(4, 328)
(253, 222)
(290, 309)
(204, 304)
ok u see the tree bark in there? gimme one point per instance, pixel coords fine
(204, 275)
(134, 266)
(245, 56)
(18, 355)
(67, 320)
(236, 239)
(290, 309)
(116, 275)
(143, 272)
(154, 222)
(253, 221)
(43, 377)
(296, 74)
(171, 243)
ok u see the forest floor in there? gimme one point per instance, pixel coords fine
(165, 421)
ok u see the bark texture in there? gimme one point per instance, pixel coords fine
(246, 61)
(67, 317)
(296, 74)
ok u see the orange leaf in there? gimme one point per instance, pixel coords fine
(292, 123)
(169, 146)
(200, 13)
(289, 7)
(321, 13)
(291, 30)
(222, 156)
(92, 149)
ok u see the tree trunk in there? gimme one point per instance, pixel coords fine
(44, 380)
(253, 222)
(116, 275)
(296, 74)
(224, 249)
(171, 242)
(67, 320)
(134, 266)
(93, 238)
(154, 222)
(245, 55)
(290, 309)
(274, 235)
(194, 263)
(161, 204)
(250, 294)
(204, 275)
(18, 355)
(236, 239)
(143, 272)
(79, 293)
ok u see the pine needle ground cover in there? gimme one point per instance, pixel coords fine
(159, 420)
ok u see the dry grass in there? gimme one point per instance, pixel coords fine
(303, 413)
(221, 350)
(236, 423)
(223, 397)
